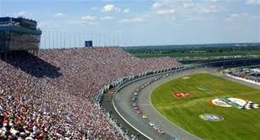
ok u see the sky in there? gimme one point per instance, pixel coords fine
(140, 22)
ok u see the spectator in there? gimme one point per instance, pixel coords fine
(65, 107)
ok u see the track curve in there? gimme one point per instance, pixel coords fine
(123, 103)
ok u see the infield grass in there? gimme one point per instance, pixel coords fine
(238, 124)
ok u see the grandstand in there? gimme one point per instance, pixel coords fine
(18, 34)
(56, 94)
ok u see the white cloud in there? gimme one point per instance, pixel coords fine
(165, 11)
(163, 7)
(107, 18)
(126, 10)
(132, 20)
(214, 1)
(59, 15)
(89, 19)
(138, 19)
(110, 8)
(209, 9)
(156, 5)
(188, 6)
(22, 13)
(244, 16)
(252, 2)
(232, 17)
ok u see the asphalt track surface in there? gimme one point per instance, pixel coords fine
(123, 104)
(108, 98)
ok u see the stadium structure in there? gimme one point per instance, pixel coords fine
(56, 94)
(18, 34)
(60, 93)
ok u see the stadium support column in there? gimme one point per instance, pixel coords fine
(5, 43)
(64, 39)
(54, 39)
(49, 36)
(2, 44)
(7, 40)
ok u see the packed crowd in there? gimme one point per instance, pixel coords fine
(25, 41)
(245, 74)
(64, 106)
(217, 57)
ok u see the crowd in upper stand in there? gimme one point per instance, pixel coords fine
(24, 41)
(64, 106)
(248, 74)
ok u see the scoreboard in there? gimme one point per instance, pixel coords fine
(89, 43)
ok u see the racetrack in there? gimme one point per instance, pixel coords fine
(124, 106)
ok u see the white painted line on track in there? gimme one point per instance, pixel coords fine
(172, 78)
(129, 122)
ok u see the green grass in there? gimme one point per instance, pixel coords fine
(195, 54)
(237, 124)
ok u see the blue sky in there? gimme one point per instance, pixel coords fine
(140, 22)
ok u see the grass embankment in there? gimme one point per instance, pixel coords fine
(237, 123)
(196, 54)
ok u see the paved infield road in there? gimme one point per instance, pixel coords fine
(124, 105)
